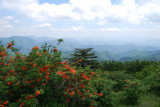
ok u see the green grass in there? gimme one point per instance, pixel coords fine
(149, 100)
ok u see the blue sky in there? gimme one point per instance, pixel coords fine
(128, 20)
(54, 1)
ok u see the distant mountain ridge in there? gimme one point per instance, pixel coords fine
(104, 52)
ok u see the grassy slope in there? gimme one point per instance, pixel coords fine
(149, 100)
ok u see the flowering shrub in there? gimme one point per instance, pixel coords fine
(131, 92)
(42, 77)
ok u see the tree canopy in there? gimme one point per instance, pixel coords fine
(84, 57)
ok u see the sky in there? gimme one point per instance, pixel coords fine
(127, 20)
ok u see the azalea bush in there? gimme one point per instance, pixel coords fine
(104, 86)
(132, 91)
(41, 78)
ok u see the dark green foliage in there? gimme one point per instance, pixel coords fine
(86, 57)
(150, 76)
(105, 85)
(111, 65)
(131, 93)
(126, 84)
(137, 65)
(119, 78)
(129, 66)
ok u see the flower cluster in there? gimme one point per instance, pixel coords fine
(42, 70)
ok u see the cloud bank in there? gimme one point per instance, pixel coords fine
(129, 11)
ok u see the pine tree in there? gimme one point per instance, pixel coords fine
(84, 57)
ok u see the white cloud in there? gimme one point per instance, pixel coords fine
(116, 29)
(91, 9)
(151, 11)
(48, 27)
(110, 29)
(3, 21)
(73, 28)
(17, 21)
(6, 27)
(45, 25)
(77, 28)
(9, 17)
(128, 11)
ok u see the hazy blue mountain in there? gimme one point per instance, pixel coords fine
(106, 55)
(103, 50)
(23, 43)
(41, 39)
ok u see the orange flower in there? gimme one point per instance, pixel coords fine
(47, 78)
(37, 92)
(93, 102)
(87, 91)
(125, 87)
(5, 64)
(71, 94)
(47, 73)
(84, 96)
(67, 101)
(80, 93)
(64, 75)
(67, 90)
(21, 105)
(24, 68)
(73, 71)
(101, 94)
(95, 93)
(38, 80)
(85, 77)
(55, 50)
(92, 73)
(65, 62)
(43, 83)
(59, 72)
(83, 86)
(9, 45)
(6, 102)
(39, 54)
(79, 60)
(31, 96)
(45, 52)
(27, 82)
(9, 83)
(27, 98)
(36, 48)
(1, 105)
(127, 81)
(90, 95)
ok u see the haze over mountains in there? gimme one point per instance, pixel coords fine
(113, 50)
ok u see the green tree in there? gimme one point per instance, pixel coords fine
(84, 57)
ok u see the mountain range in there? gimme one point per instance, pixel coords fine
(104, 51)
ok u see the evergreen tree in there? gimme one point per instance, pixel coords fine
(84, 57)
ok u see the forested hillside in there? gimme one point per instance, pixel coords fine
(79, 53)
(104, 52)
(44, 78)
